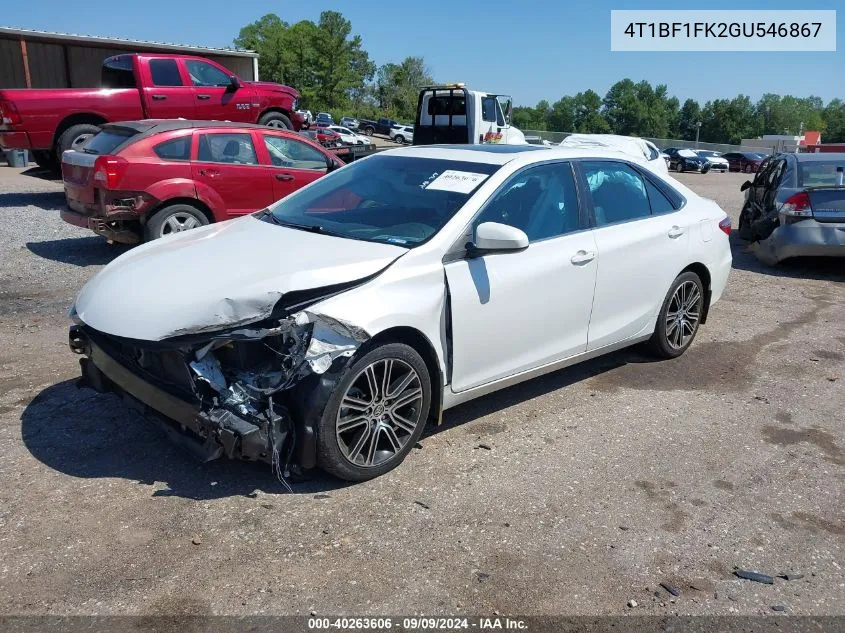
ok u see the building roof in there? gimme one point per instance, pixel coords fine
(119, 42)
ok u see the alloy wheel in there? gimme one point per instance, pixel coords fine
(278, 124)
(179, 221)
(379, 412)
(683, 314)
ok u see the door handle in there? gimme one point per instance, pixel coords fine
(211, 173)
(204, 97)
(284, 177)
(583, 257)
(159, 97)
(676, 232)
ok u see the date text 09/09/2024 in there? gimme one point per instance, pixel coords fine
(723, 29)
(417, 623)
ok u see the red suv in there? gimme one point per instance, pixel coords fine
(141, 180)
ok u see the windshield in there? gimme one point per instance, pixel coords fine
(392, 199)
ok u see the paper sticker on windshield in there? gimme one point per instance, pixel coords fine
(457, 181)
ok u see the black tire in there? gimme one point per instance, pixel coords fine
(157, 226)
(679, 167)
(330, 456)
(276, 120)
(747, 169)
(744, 230)
(45, 159)
(74, 137)
(399, 139)
(369, 130)
(659, 343)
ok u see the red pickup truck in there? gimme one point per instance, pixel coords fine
(139, 86)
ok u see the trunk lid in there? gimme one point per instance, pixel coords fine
(828, 203)
(78, 178)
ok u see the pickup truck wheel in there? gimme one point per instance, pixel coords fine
(369, 130)
(173, 218)
(276, 120)
(45, 159)
(74, 137)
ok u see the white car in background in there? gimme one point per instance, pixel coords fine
(402, 134)
(327, 329)
(633, 146)
(348, 136)
(716, 160)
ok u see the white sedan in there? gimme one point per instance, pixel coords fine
(329, 328)
(349, 137)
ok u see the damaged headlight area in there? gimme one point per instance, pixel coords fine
(230, 390)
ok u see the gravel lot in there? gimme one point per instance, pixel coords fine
(600, 482)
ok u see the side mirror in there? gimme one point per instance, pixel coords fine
(494, 237)
(745, 185)
(234, 83)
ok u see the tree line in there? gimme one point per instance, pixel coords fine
(327, 63)
(639, 109)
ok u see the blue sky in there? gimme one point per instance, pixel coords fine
(531, 49)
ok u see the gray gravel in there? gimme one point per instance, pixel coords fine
(600, 483)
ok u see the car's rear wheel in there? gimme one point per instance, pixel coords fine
(399, 139)
(173, 218)
(744, 229)
(679, 318)
(45, 159)
(74, 137)
(679, 167)
(369, 130)
(376, 413)
(276, 120)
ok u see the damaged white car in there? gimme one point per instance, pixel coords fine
(329, 328)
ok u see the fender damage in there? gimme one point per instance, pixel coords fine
(247, 393)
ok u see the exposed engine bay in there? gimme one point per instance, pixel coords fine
(233, 392)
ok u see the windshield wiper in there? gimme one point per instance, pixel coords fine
(311, 228)
(266, 213)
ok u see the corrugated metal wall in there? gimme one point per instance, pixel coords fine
(11, 64)
(48, 67)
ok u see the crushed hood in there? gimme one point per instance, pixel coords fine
(219, 276)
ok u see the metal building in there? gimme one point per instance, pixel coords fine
(40, 59)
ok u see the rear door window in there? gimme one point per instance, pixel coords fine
(235, 149)
(618, 192)
(165, 72)
(175, 149)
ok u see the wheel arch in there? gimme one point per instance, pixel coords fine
(420, 343)
(77, 119)
(272, 109)
(704, 274)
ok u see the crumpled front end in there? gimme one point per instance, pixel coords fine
(247, 393)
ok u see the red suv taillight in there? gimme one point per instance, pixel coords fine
(9, 114)
(108, 170)
(725, 226)
(798, 205)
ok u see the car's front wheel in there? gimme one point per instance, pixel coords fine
(376, 413)
(680, 316)
(399, 139)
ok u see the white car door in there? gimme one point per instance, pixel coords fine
(515, 311)
(642, 243)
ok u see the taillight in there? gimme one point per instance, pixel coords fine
(9, 113)
(108, 170)
(725, 225)
(798, 205)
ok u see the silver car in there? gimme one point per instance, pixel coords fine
(795, 206)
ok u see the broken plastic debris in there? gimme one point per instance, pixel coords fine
(482, 576)
(778, 607)
(753, 575)
(423, 504)
(673, 590)
(789, 576)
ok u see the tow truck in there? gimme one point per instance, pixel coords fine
(450, 113)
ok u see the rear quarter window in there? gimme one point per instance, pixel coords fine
(175, 149)
(117, 73)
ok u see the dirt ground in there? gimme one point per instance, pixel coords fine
(593, 485)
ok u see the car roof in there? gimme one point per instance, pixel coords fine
(155, 126)
(816, 157)
(494, 154)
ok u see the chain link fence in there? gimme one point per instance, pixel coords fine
(662, 143)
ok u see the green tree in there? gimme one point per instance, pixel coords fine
(265, 37)
(834, 122)
(587, 116)
(729, 121)
(341, 65)
(623, 107)
(689, 116)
